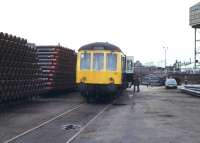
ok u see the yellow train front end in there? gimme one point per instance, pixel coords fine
(99, 72)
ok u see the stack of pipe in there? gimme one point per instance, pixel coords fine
(19, 69)
(58, 66)
(193, 89)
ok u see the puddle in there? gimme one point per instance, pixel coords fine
(119, 104)
(166, 115)
(71, 127)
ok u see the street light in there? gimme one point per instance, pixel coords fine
(165, 48)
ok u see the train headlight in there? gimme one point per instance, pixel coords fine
(83, 79)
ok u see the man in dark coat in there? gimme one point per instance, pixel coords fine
(136, 83)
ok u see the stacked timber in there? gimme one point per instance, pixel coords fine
(58, 67)
(19, 69)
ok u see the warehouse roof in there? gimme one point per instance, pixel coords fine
(100, 46)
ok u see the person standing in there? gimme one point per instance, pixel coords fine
(148, 83)
(136, 83)
(185, 80)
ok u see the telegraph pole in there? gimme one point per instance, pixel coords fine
(165, 48)
(195, 49)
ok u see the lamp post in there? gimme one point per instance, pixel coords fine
(165, 48)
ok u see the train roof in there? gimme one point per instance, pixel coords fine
(100, 46)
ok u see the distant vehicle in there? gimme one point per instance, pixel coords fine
(145, 80)
(153, 80)
(170, 83)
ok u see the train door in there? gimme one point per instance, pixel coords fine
(129, 70)
(124, 81)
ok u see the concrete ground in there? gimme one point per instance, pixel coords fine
(153, 115)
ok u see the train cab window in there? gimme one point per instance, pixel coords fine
(111, 62)
(85, 61)
(98, 61)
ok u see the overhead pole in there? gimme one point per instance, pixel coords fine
(165, 48)
(195, 48)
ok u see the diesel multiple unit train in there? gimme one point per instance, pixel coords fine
(101, 71)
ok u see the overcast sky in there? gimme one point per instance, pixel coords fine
(139, 27)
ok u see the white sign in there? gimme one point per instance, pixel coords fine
(195, 15)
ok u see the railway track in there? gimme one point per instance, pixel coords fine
(42, 124)
(82, 115)
(90, 121)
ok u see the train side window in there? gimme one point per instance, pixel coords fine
(111, 62)
(98, 61)
(85, 61)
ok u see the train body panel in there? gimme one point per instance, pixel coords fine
(90, 77)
